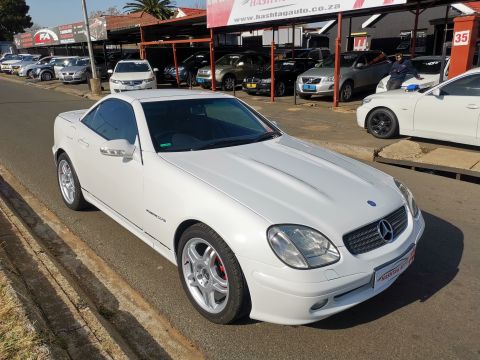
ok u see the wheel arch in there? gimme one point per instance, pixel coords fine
(181, 228)
(59, 152)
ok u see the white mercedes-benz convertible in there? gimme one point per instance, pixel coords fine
(256, 221)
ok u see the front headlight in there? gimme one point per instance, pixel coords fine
(329, 79)
(381, 85)
(299, 80)
(407, 194)
(146, 81)
(301, 247)
(266, 81)
(114, 81)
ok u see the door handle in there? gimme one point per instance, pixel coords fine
(83, 143)
(472, 106)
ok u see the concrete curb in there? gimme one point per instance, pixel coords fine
(132, 319)
(79, 309)
(359, 152)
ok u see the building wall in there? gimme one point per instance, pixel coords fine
(385, 34)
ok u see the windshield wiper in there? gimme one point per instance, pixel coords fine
(234, 142)
(223, 143)
(267, 136)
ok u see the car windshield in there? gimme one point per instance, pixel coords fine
(29, 58)
(81, 62)
(228, 60)
(194, 58)
(200, 124)
(132, 67)
(427, 66)
(346, 60)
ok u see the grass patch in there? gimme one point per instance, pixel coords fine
(18, 339)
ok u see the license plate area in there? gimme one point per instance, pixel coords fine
(388, 272)
(309, 87)
(251, 86)
(200, 80)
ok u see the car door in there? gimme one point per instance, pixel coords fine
(115, 181)
(360, 72)
(378, 67)
(453, 115)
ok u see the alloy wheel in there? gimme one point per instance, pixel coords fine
(205, 275)
(66, 181)
(381, 124)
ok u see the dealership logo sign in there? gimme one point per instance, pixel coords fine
(45, 36)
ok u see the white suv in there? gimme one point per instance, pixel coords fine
(132, 75)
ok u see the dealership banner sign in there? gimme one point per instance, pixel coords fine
(63, 34)
(238, 12)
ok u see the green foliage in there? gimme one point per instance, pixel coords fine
(158, 8)
(13, 18)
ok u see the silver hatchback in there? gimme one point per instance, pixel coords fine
(359, 70)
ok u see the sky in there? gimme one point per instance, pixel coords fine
(58, 12)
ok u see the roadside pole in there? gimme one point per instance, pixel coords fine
(95, 84)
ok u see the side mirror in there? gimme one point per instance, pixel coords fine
(110, 71)
(436, 92)
(118, 148)
(360, 65)
(240, 64)
(155, 69)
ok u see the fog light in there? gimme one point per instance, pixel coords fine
(319, 305)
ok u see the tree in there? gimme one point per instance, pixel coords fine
(13, 18)
(158, 8)
(113, 10)
(34, 28)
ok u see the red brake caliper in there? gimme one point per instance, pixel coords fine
(220, 266)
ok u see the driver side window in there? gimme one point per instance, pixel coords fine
(113, 119)
(466, 86)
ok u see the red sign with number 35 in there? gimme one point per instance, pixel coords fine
(461, 38)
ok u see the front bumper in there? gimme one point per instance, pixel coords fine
(72, 78)
(362, 113)
(287, 296)
(256, 88)
(323, 89)
(117, 88)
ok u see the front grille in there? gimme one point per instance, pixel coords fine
(133, 82)
(309, 80)
(367, 238)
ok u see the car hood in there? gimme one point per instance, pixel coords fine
(427, 81)
(73, 68)
(25, 63)
(323, 72)
(288, 181)
(11, 62)
(132, 76)
(399, 94)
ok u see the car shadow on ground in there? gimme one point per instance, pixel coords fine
(438, 256)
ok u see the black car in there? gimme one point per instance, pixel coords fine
(187, 69)
(286, 72)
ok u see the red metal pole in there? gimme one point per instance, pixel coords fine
(336, 76)
(175, 61)
(142, 40)
(272, 68)
(415, 29)
(212, 61)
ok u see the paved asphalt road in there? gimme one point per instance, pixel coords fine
(432, 311)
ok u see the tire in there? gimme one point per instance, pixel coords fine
(67, 179)
(305, 96)
(46, 76)
(204, 261)
(29, 73)
(346, 92)
(228, 83)
(205, 86)
(382, 123)
(280, 89)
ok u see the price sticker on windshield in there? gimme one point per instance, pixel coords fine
(461, 38)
